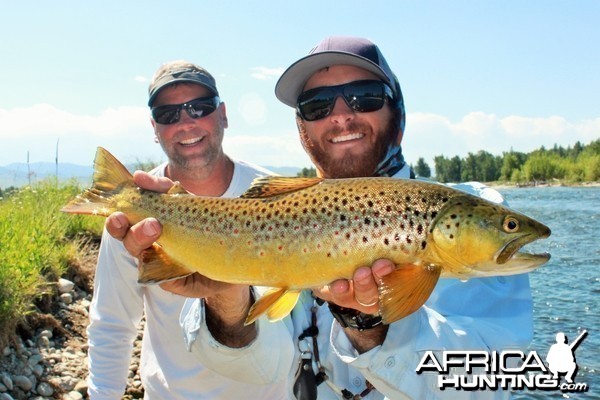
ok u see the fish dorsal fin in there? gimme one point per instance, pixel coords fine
(156, 267)
(177, 189)
(405, 290)
(268, 186)
(109, 173)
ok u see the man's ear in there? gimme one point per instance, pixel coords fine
(223, 115)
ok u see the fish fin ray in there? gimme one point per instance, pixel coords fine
(157, 267)
(109, 177)
(268, 186)
(405, 290)
(177, 189)
(277, 303)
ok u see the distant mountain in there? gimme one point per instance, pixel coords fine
(17, 174)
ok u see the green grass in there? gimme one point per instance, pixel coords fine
(37, 242)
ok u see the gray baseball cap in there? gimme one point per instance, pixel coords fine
(180, 71)
(335, 50)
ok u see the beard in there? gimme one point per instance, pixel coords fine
(350, 165)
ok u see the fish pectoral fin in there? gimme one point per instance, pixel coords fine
(157, 267)
(268, 186)
(277, 303)
(405, 290)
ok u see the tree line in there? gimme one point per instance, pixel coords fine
(580, 163)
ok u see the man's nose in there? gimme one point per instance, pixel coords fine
(341, 112)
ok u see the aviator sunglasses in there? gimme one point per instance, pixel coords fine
(197, 108)
(360, 96)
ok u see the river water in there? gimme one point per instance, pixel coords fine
(566, 291)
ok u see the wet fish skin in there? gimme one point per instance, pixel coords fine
(296, 233)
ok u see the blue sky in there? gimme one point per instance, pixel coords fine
(490, 75)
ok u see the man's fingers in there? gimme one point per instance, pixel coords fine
(142, 235)
(151, 182)
(117, 225)
(366, 291)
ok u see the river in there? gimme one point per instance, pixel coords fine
(566, 291)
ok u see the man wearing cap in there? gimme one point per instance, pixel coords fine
(350, 116)
(189, 120)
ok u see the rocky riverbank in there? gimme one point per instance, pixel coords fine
(50, 361)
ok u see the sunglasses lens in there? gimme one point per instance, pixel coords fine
(197, 108)
(166, 114)
(316, 103)
(361, 96)
(200, 108)
(365, 97)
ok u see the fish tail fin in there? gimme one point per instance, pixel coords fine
(157, 267)
(109, 178)
(405, 290)
(277, 303)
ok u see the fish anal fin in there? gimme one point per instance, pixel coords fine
(277, 303)
(157, 267)
(269, 186)
(405, 290)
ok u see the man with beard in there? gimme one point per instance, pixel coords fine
(350, 116)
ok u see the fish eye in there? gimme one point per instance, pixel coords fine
(511, 224)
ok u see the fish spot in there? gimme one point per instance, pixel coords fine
(370, 203)
(433, 214)
(342, 217)
(365, 239)
(451, 236)
(386, 241)
(408, 240)
(423, 244)
(420, 229)
(367, 221)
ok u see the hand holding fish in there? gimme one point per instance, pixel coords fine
(361, 293)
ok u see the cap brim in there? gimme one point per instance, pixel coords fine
(292, 81)
(158, 89)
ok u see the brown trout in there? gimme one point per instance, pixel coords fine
(297, 233)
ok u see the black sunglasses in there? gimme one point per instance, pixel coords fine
(197, 108)
(360, 96)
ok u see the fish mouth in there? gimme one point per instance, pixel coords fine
(510, 252)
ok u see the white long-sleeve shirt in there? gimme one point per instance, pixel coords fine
(168, 370)
(479, 314)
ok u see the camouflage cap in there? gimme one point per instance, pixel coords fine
(180, 71)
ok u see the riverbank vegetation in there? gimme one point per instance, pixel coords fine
(571, 165)
(37, 244)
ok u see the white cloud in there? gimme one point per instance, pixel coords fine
(266, 140)
(253, 109)
(264, 73)
(430, 135)
(280, 150)
(140, 78)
